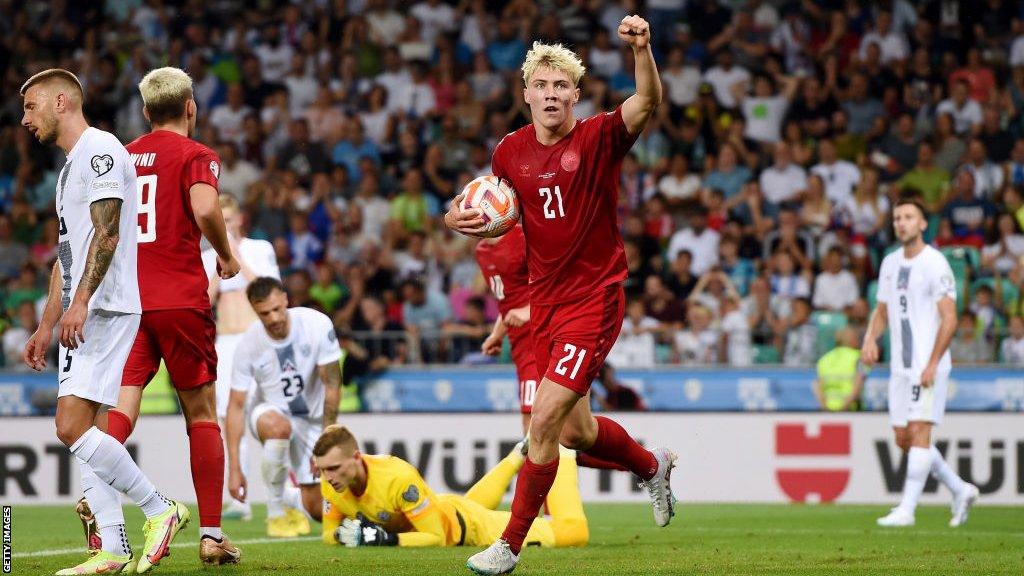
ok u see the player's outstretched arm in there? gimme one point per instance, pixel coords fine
(34, 354)
(330, 375)
(637, 109)
(207, 212)
(106, 220)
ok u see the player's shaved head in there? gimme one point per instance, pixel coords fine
(556, 57)
(335, 436)
(51, 97)
(60, 81)
(166, 93)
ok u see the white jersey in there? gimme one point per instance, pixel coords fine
(98, 167)
(911, 290)
(258, 255)
(283, 373)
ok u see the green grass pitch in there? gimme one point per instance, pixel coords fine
(702, 539)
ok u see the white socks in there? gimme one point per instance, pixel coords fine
(275, 470)
(944, 473)
(919, 462)
(215, 533)
(111, 462)
(293, 499)
(105, 503)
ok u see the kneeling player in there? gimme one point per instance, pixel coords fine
(384, 501)
(290, 360)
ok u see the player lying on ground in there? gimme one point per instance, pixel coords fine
(566, 176)
(177, 180)
(289, 360)
(94, 296)
(917, 299)
(383, 501)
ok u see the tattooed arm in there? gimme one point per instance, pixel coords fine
(106, 219)
(330, 376)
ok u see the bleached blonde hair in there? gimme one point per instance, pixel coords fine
(553, 56)
(165, 92)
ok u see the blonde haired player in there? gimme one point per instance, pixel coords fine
(566, 174)
(234, 316)
(384, 501)
(917, 299)
(94, 300)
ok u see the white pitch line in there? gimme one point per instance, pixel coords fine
(79, 550)
(952, 533)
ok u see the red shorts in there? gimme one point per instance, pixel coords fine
(184, 338)
(526, 366)
(571, 339)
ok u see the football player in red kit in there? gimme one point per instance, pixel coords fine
(565, 172)
(177, 181)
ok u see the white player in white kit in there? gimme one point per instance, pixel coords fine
(917, 299)
(94, 301)
(289, 362)
(235, 316)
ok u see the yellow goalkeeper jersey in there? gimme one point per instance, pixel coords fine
(398, 499)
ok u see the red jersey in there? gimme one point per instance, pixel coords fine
(171, 273)
(503, 264)
(568, 194)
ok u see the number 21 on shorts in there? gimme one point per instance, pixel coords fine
(571, 352)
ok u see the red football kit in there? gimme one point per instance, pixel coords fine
(177, 323)
(568, 194)
(503, 265)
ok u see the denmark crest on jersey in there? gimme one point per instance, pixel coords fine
(570, 160)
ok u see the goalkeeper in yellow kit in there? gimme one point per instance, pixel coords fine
(383, 501)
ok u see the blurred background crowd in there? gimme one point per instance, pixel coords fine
(754, 207)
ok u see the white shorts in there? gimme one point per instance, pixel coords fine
(305, 433)
(93, 371)
(226, 345)
(911, 402)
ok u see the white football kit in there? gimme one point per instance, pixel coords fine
(98, 167)
(911, 290)
(259, 256)
(282, 376)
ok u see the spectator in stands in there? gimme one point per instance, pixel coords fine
(735, 348)
(680, 183)
(413, 209)
(861, 107)
(383, 339)
(301, 155)
(840, 375)
(227, 118)
(1011, 351)
(970, 217)
(327, 292)
(799, 334)
(617, 396)
(988, 176)
(930, 180)
(968, 345)
(998, 141)
(13, 255)
(815, 210)
(661, 303)
(834, 288)
(16, 337)
(765, 110)
(698, 343)
(635, 346)
(897, 152)
(839, 176)
(987, 306)
(236, 174)
(1005, 246)
(464, 337)
(892, 42)
(700, 241)
(424, 313)
(784, 181)
(966, 113)
(723, 76)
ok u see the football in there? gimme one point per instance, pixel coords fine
(497, 202)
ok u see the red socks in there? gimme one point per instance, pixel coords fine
(206, 450)
(532, 487)
(585, 460)
(614, 444)
(119, 425)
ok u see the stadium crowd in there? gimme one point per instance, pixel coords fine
(754, 208)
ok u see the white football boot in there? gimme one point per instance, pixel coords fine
(896, 518)
(659, 487)
(496, 559)
(962, 503)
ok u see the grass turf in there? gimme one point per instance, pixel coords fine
(703, 539)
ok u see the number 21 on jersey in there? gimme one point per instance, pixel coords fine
(147, 208)
(553, 197)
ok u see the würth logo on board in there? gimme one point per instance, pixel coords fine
(797, 448)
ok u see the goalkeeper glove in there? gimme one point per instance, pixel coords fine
(362, 532)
